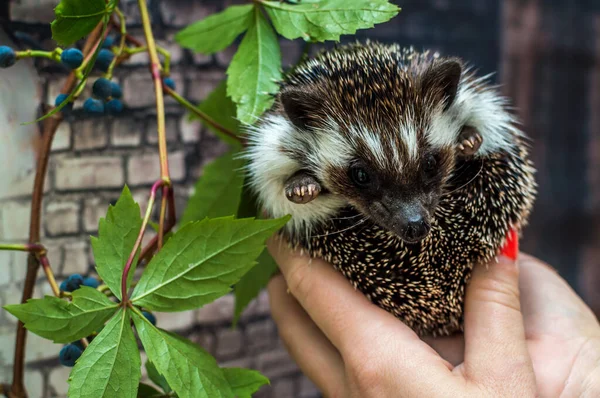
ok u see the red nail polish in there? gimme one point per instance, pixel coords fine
(511, 246)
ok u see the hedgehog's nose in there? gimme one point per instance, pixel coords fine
(416, 229)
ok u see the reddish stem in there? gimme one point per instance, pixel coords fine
(49, 129)
(138, 242)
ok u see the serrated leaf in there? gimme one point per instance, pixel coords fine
(223, 111)
(147, 391)
(110, 365)
(253, 282)
(328, 19)
(76, 19)
(254, 70)
(190, 371)
(65, 321)
(217, 193)
(117, 234)
(217, 31)
(244, 382)
(157, 378)
(201, 262)
(248, 202)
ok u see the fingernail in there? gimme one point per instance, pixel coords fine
(511, 246)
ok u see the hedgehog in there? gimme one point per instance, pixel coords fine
(402, 169)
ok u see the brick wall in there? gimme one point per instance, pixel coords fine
(92, 158)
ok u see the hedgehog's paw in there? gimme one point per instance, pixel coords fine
(302, 188)
(469, 141)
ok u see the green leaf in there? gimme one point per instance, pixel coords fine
(117, 234)
(254, 70)
(189, 370)
(110, 365)
(201, 262)
(146, 391)
(217, 31)
(328, 19)
(253, 282)
(157, 378)
(217, 193)
(223, 111)
(248, 205)
(244, 382)
(76, 19)
(65, 321)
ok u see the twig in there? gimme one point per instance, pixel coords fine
(189, 106)
(171, 219)
(138, 241)
(49, 129)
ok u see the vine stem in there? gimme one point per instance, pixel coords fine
(155, 69)
(189, 106)
(138, 241)
(49, 129)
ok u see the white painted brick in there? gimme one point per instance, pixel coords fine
(39, 348)
(224, 57)
(34, 382)
(229, 342)
(307, 388)
(19, 267)
(76, 258)
(283, 388)
(126, 132)
(89, 172)
(145, 168)
(15, 220)
(54, 87)
(58, 379)
(90, 134)
(201, 83)
(138, 89)
(62, 137)
(183, 12)
(174, 320)
(6, 267)
(220, 310)
(93, 209)
(62, 218)
(190, 129)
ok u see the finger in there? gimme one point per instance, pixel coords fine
(316, 356)
(495, 345)
(340, 311)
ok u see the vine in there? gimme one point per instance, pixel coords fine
(212, 250)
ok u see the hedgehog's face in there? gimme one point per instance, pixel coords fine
(370, 143)
(401, 200)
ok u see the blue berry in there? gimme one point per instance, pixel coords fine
(69, 354)
(72, 283)
(114, 107)
(108, 42)
(91, 282)
(72, 58)
(102, 88)
(104, 59)
(116, 90)
(60, 98)
(7, 57)
(78, 345)
(93, 106)
(169, 83)
(149, 316)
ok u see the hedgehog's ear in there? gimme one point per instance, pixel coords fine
(441, 81)
(300, 107)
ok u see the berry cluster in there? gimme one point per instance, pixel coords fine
(107, 99)
(75, 281)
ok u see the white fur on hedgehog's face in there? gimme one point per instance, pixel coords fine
(392, 172)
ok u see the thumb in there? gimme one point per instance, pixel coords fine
(494, 331)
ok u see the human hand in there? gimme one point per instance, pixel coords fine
(543, 342)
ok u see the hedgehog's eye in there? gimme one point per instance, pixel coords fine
(429, 164)
(359, 176)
